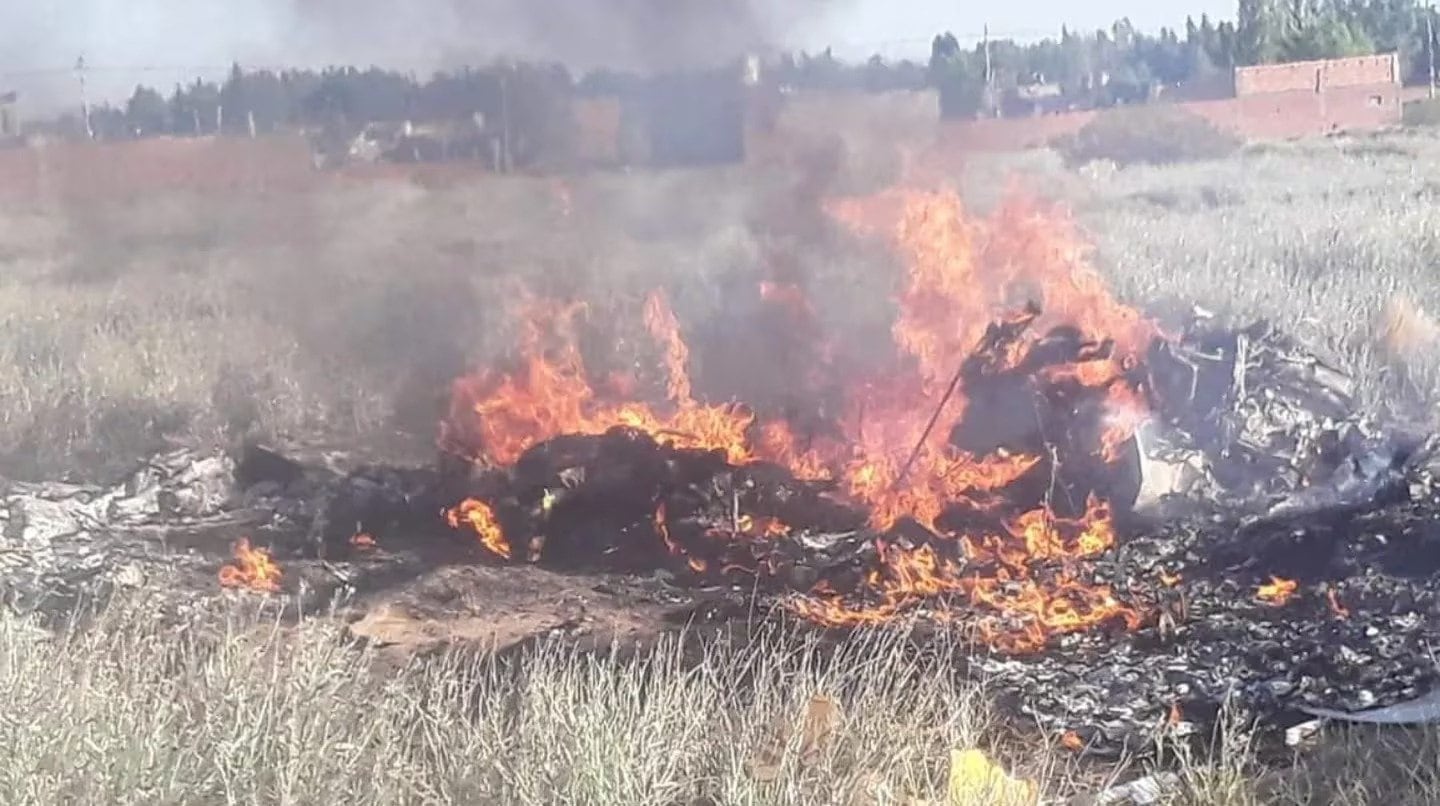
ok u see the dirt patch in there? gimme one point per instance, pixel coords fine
(500, 608)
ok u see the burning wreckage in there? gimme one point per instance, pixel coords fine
(1134, 523)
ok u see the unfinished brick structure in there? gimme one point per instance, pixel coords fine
(1270, 102)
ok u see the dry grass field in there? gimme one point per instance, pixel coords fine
(340, 312)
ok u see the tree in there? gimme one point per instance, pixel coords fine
(960, 83)
(236, 110)
(1260, 30)
(146, 113)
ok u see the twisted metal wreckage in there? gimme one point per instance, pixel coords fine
(1133, 526)
(1255, 465)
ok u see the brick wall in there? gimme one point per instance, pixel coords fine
(1285, 115)
(1274, 116)
(1317, 76)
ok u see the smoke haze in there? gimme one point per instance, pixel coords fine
(142, 41)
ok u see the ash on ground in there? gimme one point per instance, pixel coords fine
(1283, 544)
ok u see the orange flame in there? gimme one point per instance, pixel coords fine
(889, 449)
(362, 542)
(253, 569)
(505, 415)
(1277, 591)
(480, 517)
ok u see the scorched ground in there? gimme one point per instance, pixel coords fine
(1135, 521)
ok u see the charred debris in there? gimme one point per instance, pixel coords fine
(1275, 545)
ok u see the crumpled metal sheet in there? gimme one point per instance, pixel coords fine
(53, 534)
(1421, 710)
(175, 486)
(1249, 421)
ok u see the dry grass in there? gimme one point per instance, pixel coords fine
(124, 712)
(1148, 135)
(345, 310)
(1317, 236)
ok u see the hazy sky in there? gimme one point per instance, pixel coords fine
(130, 41)
(868, 21)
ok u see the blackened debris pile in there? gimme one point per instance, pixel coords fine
(1282, 548)
(1248, 421)
(1279, 550)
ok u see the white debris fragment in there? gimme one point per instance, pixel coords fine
(1296, 735)
(1141, 792)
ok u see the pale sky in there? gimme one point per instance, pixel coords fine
(158, 41)
(868, 21)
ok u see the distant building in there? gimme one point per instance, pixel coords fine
(1033, 99)
(1316, 97)
(1319, 76)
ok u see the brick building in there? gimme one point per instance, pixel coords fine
(1265, 102)
(1318, 77)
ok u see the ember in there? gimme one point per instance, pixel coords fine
(478, 516)
(253, 569)
(1336, 606)
(1277, 591)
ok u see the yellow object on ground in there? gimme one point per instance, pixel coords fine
(976, 780)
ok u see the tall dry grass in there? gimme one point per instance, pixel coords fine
(346, 310)
(251, 710)
(125, 712)
(1317, 236)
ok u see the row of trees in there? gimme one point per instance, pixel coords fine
(265, 101)
(1123, 65)
(1097, 69)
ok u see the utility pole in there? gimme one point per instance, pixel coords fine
(84, 103)
(504, 118)
(1430, 44)
(989, 87)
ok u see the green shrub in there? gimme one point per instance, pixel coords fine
(1155, 135)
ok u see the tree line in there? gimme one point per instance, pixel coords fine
(1122, 65)
(1085, 70)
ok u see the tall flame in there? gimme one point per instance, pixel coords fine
(890, 449)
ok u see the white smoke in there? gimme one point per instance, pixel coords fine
(160, 42)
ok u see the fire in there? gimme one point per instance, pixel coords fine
(362, 541)
(1071, 741)
(505, 415)
(480, 517)
(1277, 591)
(253, 569)
(981, 298)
